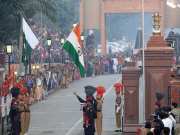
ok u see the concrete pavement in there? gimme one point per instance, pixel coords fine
(60, 114)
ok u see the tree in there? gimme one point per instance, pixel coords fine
(11, 12)
(67, 14)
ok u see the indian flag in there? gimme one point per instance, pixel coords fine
(74, 47)
(30, 42)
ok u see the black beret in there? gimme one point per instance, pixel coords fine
(89, 90)
(15, 91)
(159, 96)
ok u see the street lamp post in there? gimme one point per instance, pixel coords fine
(82, 38)
(49, 50)
(9, 49)
(35, 68)
(83, 45)
(82, 42)
(142, 95)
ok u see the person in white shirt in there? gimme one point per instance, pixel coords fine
(168, 110)
(167, 121)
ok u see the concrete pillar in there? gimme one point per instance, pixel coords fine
(102, 29)
(130, 79)
(158, 63)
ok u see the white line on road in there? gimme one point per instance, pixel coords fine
(80, 120)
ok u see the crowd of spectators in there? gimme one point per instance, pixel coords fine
(44, 81)
(100, 65)
(163, 121)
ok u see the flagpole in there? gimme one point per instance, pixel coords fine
(122, 110)
(29, 64)
(143, 66)
(21, 66)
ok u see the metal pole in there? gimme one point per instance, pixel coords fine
(49, 58)
(143, 61)
(122, 109)
(62, 56)
(30, 65)
(9, 66)
(1, 124)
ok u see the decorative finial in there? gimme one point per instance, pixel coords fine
(156, 24)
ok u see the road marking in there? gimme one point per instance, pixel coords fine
(81, 119)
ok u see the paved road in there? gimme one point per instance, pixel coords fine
(60, 114)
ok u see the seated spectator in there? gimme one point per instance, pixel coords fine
(157, 123)
(166, 131)
(168, 109)
(176, 111)
(146, 128)
(157, 131)
(149, 133)
(167, 121)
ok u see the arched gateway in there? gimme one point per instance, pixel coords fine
(92, 13)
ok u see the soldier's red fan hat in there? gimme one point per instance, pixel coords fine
(23, 90)
(118, 87)
(18, 85)
(100, 90)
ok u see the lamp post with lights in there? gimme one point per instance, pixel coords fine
(82, 42)
(36, 68)
(9, 50)
(49, 50)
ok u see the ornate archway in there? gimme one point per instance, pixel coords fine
(92, 13)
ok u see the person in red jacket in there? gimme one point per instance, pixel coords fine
(89, 110)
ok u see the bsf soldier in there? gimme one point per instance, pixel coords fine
(118, 88)
(89, 110)
(14, 113)
(99, 99)
(25, 111)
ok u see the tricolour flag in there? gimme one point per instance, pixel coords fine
(30, 42)
(74, 47)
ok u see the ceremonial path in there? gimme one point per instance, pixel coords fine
(60, 114)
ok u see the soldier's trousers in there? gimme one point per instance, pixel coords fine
(88, 132)
(118, 120)
(99, 123)
(16, 128)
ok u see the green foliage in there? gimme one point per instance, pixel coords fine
(11, 10)
(62, 13)
(67, 14)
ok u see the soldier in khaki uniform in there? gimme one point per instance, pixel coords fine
(118, 88)
(99, 99)
(24, 110)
